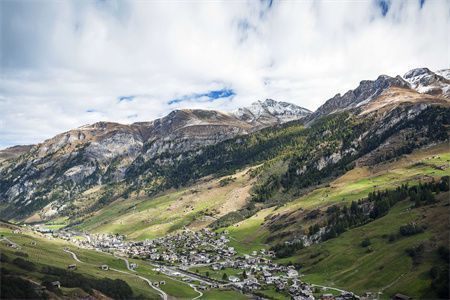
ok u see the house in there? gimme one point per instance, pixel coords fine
(133, 266)
(56, 283)
(72, 267)
(233, 279)
(401, 297)
(104, 267)
(292, 273)
(162, 282)
(327, 297)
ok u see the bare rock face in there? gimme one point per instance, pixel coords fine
(364, 93)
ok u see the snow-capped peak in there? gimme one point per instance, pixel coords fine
(427, 82)
(270, 111)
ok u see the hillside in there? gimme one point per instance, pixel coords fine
(354, 196)
(43, 254)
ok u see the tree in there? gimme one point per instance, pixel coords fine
(224, 276)
(244, 275)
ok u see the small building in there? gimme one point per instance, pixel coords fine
(162, 282)
(56, 284)
(104, 267)
(292, 273)
(72, 267)
(401, 297)
(133, 266)
(327, 297)
(233, 279)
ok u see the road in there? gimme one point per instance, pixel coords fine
(189, 275)
(161, 292)
(74, 256)
(330, 288)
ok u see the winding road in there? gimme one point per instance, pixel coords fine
(161, 292)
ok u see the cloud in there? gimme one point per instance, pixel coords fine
(69, 63)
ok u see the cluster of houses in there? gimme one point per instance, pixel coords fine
(188, 250)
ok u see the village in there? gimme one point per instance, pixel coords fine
(181, 254)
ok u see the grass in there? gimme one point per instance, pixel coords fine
(217, 275)
(343, 263)
(357, 183)
(223, 295)
(248, 235)
(50, 252)
(194, 207)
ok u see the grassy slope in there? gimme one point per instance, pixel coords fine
(158, 216)
(249, 234)
(47, 252)
(342, 262)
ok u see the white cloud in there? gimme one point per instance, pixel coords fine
(65, 64)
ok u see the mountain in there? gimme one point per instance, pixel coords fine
(14, 152)
(366, 175)
(375, 121)
(270, 112)
(427, 82)
(421, 80)
(103, 152)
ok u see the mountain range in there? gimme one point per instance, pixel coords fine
(353, 195)
(57, 170)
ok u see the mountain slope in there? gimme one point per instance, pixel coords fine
(102, 153)
(94, 165)
(421, 80)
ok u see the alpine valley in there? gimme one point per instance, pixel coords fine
(271, 201)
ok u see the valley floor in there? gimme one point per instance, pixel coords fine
(384, 267)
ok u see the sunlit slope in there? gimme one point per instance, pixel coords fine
(384, 266)
(194, 207)
(421, 165)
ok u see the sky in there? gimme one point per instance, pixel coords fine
(69, 63)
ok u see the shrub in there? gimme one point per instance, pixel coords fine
(410, 229)
(22, 254)
(24, 264)
(17, 288)
(416, 253)
(3, 257)
(444, 253)
(365, 243)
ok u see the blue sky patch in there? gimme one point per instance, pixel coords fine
(211, 96)
(384, 6)
(126, 98)
(421, 2)
(90, 110)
